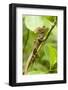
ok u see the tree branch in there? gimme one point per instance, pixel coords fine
(50, 31)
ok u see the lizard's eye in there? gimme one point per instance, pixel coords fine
(43, 26)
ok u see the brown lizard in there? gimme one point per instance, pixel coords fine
(41, 31)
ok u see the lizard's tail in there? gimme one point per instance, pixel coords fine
(28, 63)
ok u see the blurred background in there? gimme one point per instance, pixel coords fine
(46, 61)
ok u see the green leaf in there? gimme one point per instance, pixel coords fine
(51, 18)
(50, 54)
(37, 68)
(53, 68)
(32, 22)
(47, 22)
(53, 55)
(30, 42)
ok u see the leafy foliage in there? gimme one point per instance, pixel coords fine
(46, 61)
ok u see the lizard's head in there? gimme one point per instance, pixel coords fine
(42, 29)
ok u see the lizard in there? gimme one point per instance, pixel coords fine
(41, 31)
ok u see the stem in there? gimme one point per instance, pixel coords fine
(50, 31)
